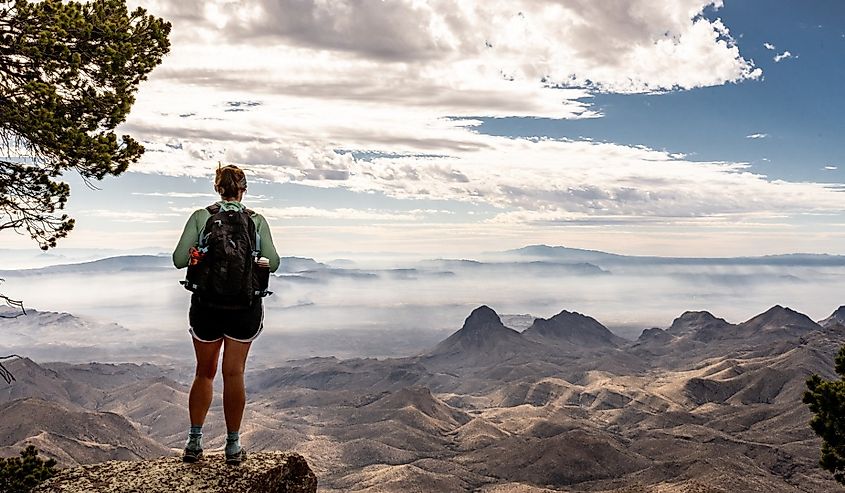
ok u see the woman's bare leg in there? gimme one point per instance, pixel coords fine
(199, 399)
(234, 395)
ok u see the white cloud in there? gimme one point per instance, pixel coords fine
(757, 136)
(769, 46)
(634, 46)
(339, 213)
(148, 217)
(343, 213)
(782, 56)
(176, 195)
(831, 167)
(403, 81)
(566, 179)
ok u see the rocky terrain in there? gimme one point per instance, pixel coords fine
(264, 472)
(563, 405)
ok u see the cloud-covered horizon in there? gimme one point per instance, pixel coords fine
(410, 296)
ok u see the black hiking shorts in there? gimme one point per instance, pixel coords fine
(212, 324)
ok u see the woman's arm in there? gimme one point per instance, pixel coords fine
(190, 235)
(268, 250)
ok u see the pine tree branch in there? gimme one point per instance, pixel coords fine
(5, 374)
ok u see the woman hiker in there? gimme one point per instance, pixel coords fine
(230, 321)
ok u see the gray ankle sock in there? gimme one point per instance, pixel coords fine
(233, 442)
(194, 438)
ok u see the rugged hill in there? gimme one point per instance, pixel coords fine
(778, 321)
(704, 405)
(81, 414)
(572, 330)
(72, 435)
(482, 341)
(88, 385)
(837, 318)
(702, 325)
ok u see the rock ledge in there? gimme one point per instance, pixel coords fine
(276, 472)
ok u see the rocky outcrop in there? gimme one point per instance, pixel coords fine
(262, 472)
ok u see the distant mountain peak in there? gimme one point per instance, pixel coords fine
(568, 314)
(557, 251)
(483, 324)
(655, 334)
(701, 326)
(780, 317)
(782, 311)
(696, 321)
(779, 309)
(696, 315)
(483, 315)
(836, 318)
(483, 338)
(579, 319)
(571, 328)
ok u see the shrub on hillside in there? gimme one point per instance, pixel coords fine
(826, 399)
(21, 474)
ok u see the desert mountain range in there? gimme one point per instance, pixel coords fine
(563, 405)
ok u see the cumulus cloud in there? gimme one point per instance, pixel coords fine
(831, 167)
(769, 46)
(403, 82)
(782, 56)
(632, 46)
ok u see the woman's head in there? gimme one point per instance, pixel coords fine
(230, 182)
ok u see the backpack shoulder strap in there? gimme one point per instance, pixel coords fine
(212, 209)
(252, 215)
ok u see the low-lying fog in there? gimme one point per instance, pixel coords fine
(347, 309)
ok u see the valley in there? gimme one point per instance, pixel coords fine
(563, 405)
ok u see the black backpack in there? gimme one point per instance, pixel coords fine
(226, 276)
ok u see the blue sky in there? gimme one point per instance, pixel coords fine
(445, 128)
(797, 103)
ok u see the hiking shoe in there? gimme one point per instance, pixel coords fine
(237, 458)
(192, 455)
